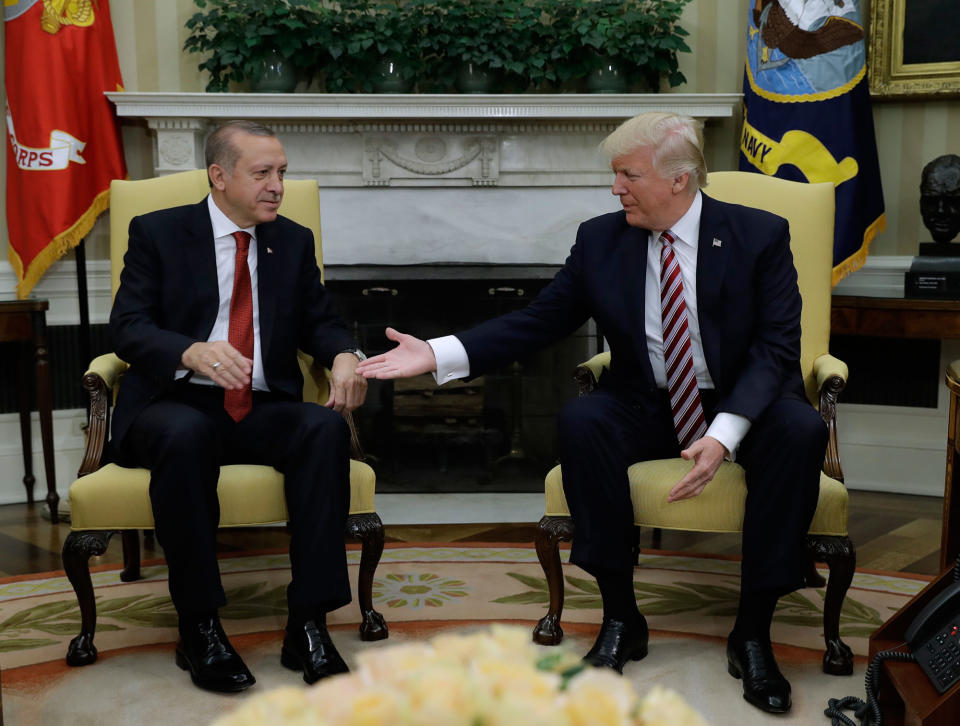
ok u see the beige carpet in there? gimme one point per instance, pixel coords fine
(420, 590)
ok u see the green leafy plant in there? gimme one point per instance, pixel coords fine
(642, 36)
(363, 35)
(240, 35)
(535, 44)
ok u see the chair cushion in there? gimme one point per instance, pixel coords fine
(115, 497)
(719, 508)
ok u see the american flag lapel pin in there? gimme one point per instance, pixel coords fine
(717, 243)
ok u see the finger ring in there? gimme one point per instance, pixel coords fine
(215, 365)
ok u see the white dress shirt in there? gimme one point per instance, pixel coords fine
(226, 250)
(727, 428)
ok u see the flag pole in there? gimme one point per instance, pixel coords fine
(80, 254)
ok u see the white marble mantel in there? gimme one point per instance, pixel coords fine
(410, 178)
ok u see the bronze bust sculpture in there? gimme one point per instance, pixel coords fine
(940, 201)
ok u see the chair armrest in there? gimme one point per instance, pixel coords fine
(109, 367)
(826, 367)
(588, 373)
(831, 376)
(99, 381)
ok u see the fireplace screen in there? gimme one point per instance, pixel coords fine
(492, 433)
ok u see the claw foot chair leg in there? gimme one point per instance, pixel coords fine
(368, 528)
(841, 558)
(78, 548)
(550, 532)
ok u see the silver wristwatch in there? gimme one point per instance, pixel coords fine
(357, 352)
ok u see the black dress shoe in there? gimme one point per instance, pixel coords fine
(617, 643)
(308, 648)
(763, 684)
(203, 649)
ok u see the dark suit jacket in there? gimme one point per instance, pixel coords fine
(168, 299)
(747, 300)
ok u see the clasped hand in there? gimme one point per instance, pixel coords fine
(348, 388)
(220, 362)
(227, 367)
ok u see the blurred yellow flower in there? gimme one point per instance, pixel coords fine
(491, 678)
(663, 706)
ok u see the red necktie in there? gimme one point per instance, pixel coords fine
(685, 401)
(239, 403)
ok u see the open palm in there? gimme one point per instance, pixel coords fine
(411, 357)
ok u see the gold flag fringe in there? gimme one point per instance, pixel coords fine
(855, 261)
(58, 246)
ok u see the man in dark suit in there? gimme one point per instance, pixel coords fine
(699, 304)
(215, 299)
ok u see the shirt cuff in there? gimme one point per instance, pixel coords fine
(729, 429)
(452, 359)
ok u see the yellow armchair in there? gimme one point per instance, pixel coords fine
(109, 498)
(720, 508)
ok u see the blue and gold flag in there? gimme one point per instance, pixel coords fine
(807, 112)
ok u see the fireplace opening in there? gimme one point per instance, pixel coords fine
(495, 433)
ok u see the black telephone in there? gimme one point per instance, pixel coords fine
(934, 638)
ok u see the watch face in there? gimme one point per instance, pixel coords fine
(359, 353)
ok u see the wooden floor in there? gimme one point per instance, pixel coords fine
(893, 532)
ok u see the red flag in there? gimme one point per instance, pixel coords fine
(63, 134)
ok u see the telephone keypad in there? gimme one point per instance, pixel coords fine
(940, 657)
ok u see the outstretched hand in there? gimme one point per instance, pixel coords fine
(707, 454)
(411, 357)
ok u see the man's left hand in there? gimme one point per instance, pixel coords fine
(707, 454)
(347, 389)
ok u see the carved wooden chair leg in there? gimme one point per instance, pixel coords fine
(368, 528)
(131, 555)
(78, 548)
(812, 577)
(550, 532)
(841, 558)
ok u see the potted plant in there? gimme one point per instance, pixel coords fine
(475, 42)
(529, 42)
(374, 47)
(271, 43)
(617, 44)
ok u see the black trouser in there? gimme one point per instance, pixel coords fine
(602, 434)
(185, 437)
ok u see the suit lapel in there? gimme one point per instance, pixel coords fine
(267, 271)
(713, 249)
(632, 274)
(201, 253)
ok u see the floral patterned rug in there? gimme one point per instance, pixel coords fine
(421, 590)
(678, 594)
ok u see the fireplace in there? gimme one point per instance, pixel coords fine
(438, 212)
(496, 433)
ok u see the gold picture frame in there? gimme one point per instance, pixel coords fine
(891, 75)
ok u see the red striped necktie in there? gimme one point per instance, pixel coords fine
(240, 335)
(688, 417)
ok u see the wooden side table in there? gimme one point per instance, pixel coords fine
(25, 322)
(895, 317)
(950, 534)
(915, 318)
(906, 696)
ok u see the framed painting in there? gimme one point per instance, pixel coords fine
(914, 48)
